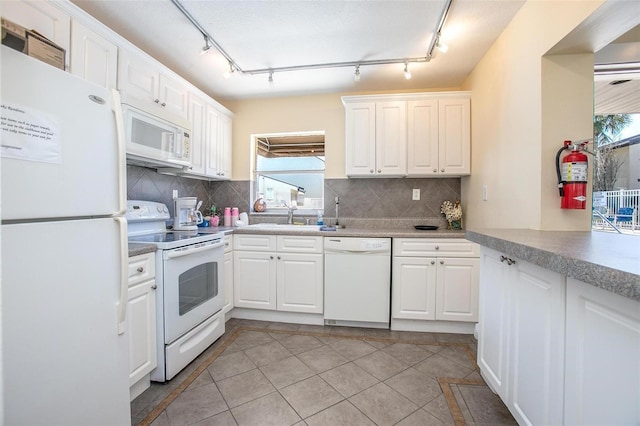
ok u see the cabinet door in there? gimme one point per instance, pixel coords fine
(603, 357)
(454, 129)
(93, 57)
(173, 95)
(413, 288)
(493, 323)
(224, 147)
(391, 138)
(228, 282)
(141, 321)
(536, 346)
(422, 137)
(137, 77)
(457, 289)
(254, 280)
(197, 118)
(300, 282)
(360, 138)
(42, 16)
(213, 133)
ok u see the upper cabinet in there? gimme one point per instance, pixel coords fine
(413, 135)
(93, 57)
(144, 79)
(44, 17)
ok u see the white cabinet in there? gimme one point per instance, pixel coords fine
(281, 272)
(93, 57)
(197, 115)
(416, 135)
(141, 322)
(43, 17)
(143, 79)
(602, 384)
(228, 273)
(521, 337)
(434, 279)
(376, 139)
(439, 136)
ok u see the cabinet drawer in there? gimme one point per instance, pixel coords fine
(254, 242)
(299, 244)
(435, 247)
(142, 268)
(228, 243)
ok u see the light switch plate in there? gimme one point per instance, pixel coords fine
(416, 195)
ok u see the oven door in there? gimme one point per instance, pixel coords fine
(193, 286)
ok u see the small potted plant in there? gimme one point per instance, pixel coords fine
(214, 216)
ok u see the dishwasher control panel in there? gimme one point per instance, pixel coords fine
(357, 245)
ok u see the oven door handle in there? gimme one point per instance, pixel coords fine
(171, 254)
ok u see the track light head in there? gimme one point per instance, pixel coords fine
(357, 73)
(441, 46)
(230, 71)
(206, 47)
(271, 78)
(407, 73)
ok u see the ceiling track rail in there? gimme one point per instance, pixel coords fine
(236, 68)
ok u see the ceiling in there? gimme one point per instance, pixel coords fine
(278, 33)
(264, 34)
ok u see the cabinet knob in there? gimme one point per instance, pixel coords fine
(437, 247)
(164, 104)
(222, 174)
(442, 262)
(433, 262)
(140, 269)
(156, 101)
(503, 258)
(270, 257)
(510, 262)
(279, 258)
(371, 171)
(379, 171)
(153, 287)
(442, 170)
(435, 170)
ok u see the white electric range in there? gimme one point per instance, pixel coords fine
(190, 286)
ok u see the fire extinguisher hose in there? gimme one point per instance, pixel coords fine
(560, 181)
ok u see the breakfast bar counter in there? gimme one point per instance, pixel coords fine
(605, 260)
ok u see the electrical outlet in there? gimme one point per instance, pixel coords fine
(484, 193)
(416, 195)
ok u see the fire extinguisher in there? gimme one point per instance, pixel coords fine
(572, 175)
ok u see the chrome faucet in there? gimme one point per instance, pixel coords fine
(292, 207)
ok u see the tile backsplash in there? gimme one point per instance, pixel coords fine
(383, 202)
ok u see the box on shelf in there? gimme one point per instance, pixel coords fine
(31, 43)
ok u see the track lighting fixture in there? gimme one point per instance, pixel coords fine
(407, 73)
(230, 71)
(206, 47)
(441, 46)
(210, 42)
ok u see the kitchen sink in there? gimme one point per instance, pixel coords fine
(285, 227)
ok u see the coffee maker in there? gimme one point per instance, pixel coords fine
(186, 215)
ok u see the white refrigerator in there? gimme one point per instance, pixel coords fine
(64, 249)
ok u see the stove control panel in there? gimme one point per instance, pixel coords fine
(138, 210)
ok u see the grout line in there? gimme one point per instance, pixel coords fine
(444, 382)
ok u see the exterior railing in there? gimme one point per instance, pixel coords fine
(607, 205)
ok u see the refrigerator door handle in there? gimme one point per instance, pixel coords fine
(124, 276)
(121, 143)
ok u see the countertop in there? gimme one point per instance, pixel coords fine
(605, 260)
(408, 232)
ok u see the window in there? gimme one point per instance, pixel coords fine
(289, 170)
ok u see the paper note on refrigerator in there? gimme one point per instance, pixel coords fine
(29, 134)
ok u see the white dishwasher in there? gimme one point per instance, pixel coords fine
(357, 281)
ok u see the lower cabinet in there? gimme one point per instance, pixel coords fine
(602, 384)
(141, 321)
(435, 280)
(284, 273)
(521, 337)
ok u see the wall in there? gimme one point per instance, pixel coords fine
(523, 106)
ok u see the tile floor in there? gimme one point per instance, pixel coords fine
(262, 373)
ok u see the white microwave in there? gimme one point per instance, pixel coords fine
(155, 137)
